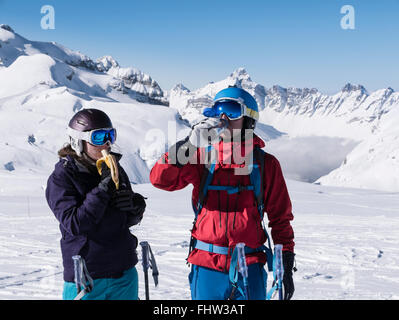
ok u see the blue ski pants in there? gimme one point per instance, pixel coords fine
(123, 288)
(208, 284)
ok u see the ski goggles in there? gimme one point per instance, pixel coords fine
(234, 110)
(97, 137)
(100, 137)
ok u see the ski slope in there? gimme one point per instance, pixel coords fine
(346, 241)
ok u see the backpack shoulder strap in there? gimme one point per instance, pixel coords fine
(206, 179)
(256, 177)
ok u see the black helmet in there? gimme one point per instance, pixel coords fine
(83, 121)
(90, 119)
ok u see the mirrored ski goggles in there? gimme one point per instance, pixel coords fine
(97, 137)
(232, 109)
(100, 137)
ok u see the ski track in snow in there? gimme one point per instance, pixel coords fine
(346, 242)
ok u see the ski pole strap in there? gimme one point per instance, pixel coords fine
(277, 286)
(272, 291)
(82, 277)
(274, 287)
(153, 264)
(233, 273)
(80, 295)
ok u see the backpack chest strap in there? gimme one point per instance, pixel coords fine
(231, 189)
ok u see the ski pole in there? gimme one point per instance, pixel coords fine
(243, 268)
(82, 277)
(146, 264)
(278, 251)
(148, 261)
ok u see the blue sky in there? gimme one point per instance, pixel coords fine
(286, 42)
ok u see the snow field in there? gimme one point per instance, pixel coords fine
(346, 241)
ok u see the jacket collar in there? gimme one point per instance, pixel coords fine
(233, 154)
(84, 164)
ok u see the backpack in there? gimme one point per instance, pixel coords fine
(256, 186)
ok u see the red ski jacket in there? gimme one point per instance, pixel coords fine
(227, 219)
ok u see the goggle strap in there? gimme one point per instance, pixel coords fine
(252, 113)
(79, 135)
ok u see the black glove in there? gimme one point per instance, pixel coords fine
(106, 184)
(288, 282)
(183, 150)
(130, 202)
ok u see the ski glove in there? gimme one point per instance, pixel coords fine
(202, 135)
(207, 132)
(130, 202)
(181, 152)
(288, 282)
(106, 184)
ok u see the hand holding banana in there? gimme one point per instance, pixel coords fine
(110, 161)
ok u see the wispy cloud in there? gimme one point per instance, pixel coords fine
(309, 158)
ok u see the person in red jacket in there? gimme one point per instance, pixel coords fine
(228, 214)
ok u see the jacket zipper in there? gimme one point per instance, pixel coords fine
(227, 210)
(227, 222)
(260, 228)
(220, 213)
(202, 218)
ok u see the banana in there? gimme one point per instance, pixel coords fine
(109, 160)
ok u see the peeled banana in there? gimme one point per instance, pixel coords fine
(110, 161)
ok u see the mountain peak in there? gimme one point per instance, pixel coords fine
(180, 87)
(7, 27)
(105, 63)
(351, 88)
(240, 73)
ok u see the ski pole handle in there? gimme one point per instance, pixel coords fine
(146, 264)
(242, 267)
(77, 263)
(145, 251)
(278, 251)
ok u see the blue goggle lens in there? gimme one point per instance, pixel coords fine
(230, 108)
(101, 136)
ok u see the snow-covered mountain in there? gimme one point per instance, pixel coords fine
(353, 113)
(43, 84)
(374, 163)
(72, 66)
(298, 111)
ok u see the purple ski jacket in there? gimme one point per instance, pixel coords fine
(89, 225)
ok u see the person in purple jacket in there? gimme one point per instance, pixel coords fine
(94, 217)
